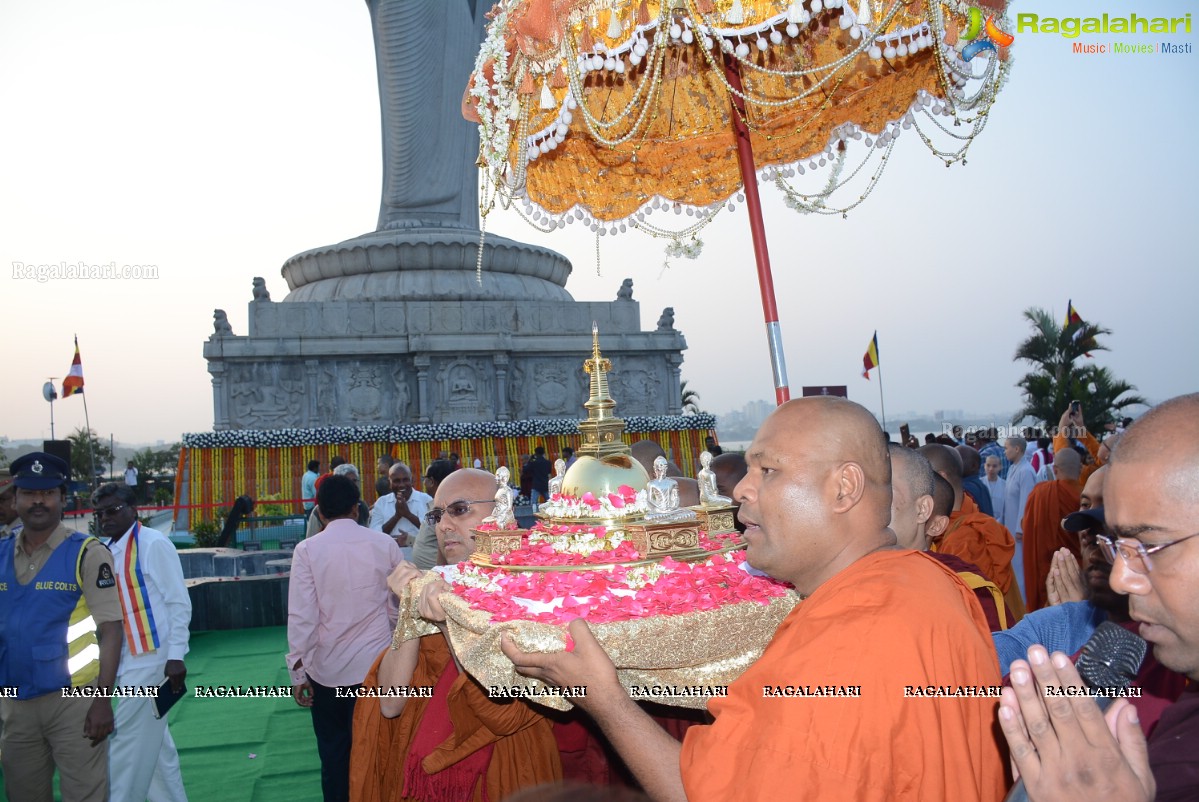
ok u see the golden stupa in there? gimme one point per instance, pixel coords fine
(604, 461)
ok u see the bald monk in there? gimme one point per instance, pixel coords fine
(972, 485)
(1071, 429)
(460, 745)
(816, 502)
(646, 451)
(1048, 504)
(976, 538)
(730, 469)
(914, 518)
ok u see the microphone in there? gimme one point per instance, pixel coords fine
(1109, 660)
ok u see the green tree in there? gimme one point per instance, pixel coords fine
(81, 460)
(154, 463)
(689, 399)
(1058, 378)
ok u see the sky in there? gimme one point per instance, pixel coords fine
(215, 140)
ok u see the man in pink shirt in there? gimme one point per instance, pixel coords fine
(340, 616)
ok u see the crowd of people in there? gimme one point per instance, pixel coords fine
(941, 676)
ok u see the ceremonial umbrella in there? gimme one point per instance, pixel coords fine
(609, 113)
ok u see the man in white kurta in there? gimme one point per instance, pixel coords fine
(400, 512)
(142, 760)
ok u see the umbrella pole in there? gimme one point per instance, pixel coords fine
(753, 203)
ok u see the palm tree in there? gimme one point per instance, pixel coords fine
(689, 400)
(1057, 378)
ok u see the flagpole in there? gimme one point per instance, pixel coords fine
(882, 405)
(91, 452)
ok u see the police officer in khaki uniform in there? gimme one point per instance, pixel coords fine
(60, 638)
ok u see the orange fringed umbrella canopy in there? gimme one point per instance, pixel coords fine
(599, 111)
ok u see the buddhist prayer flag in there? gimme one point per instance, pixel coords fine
(1073, 318)
(870, 360)
(73, 383)
(1072, 315)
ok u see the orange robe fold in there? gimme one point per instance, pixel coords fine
(1048, 504)
(980, 539)
(893, 621)
(520, 740)
(989, 596)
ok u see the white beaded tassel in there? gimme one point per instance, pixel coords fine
(736, 14)
(614, 27)
(547, 97)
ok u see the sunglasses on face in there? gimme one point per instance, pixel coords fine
(104, 512)
(455, 510)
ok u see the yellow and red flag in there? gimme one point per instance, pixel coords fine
(870, 360)
(1072, 315)
(1073, 318)
(73, 383)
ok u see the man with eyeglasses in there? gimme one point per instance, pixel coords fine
(1067, 750)
(60, 628)
(143, 762)
(1084, 600)
(459, 743)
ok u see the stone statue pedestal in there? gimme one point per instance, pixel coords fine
(427, 263)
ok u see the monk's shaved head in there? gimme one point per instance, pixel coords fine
(911, 497)
(817, 496)
(730, 469)
(645, 452)
(942, 496)
(945, 461)
(1067, 464)
(910, 469)
(971, 461)
(847, 433)
(466, 483)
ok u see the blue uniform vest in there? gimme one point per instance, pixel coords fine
(47, 635)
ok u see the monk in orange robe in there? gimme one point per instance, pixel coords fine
(1048, 504)
(920, 505)
(460, 745)
(1071, 427)
(973, 536)
(879, 630)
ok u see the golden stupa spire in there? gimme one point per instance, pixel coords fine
(602, 430)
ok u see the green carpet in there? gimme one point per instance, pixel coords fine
(251, 750)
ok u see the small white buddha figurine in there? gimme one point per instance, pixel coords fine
(502, 514)
(662, 497)
(556, 479)
(708, 495)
